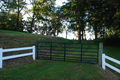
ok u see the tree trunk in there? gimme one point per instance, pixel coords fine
(106, 33)
(95, 29)
(57, 33)
(82, 26)
(54, 33)
(82, 34)
(95, 34)
(79, 32)
(79, 37)
(17, 29)
(66, 34)
(32, 23)
(33, 18)
(54, 29)
(103, 32)
(76, 12)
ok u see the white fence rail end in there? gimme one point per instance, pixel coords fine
(16, 56)
(108, 65)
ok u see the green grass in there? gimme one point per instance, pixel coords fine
(14, 39)
(48, 70)
(112, 51)
(15, 32)
(44, 70)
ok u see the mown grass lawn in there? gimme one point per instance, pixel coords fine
(46, 70)
(51, 70)
(14, 39)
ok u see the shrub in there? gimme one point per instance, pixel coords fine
(99, 41)
(112, 41)
(108, 41)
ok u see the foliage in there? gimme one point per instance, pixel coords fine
(98, 15)
(11, 18)
(76, 12)
(99, 41)
(101, 16)
(9, 22)
(108, 41)
(112, 41)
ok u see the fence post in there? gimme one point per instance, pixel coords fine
(33, 52)
(103, 61)
(1, 54)
(100, 53)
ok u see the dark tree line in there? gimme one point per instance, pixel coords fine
(102, 16)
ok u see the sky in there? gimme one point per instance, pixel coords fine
(59, 2)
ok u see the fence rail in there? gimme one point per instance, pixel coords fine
(16, 56)
(108, 65)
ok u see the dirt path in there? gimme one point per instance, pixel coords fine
(109, 75)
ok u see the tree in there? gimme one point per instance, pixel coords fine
(102, 16)
(56, 21)
(14, 7)
(40, 10)
(76, 9)
(20, 6)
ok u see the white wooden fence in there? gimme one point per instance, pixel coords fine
(16, 56)
(108, 65)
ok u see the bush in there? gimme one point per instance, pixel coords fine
(112, 41)
(99, 41)
(108, 41)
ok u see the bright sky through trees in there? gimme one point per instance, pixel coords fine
(71, 35)
(59, 2)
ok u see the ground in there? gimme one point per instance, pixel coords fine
(10, 39)
(108, 73)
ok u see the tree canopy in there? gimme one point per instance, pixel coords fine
(100, 16)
